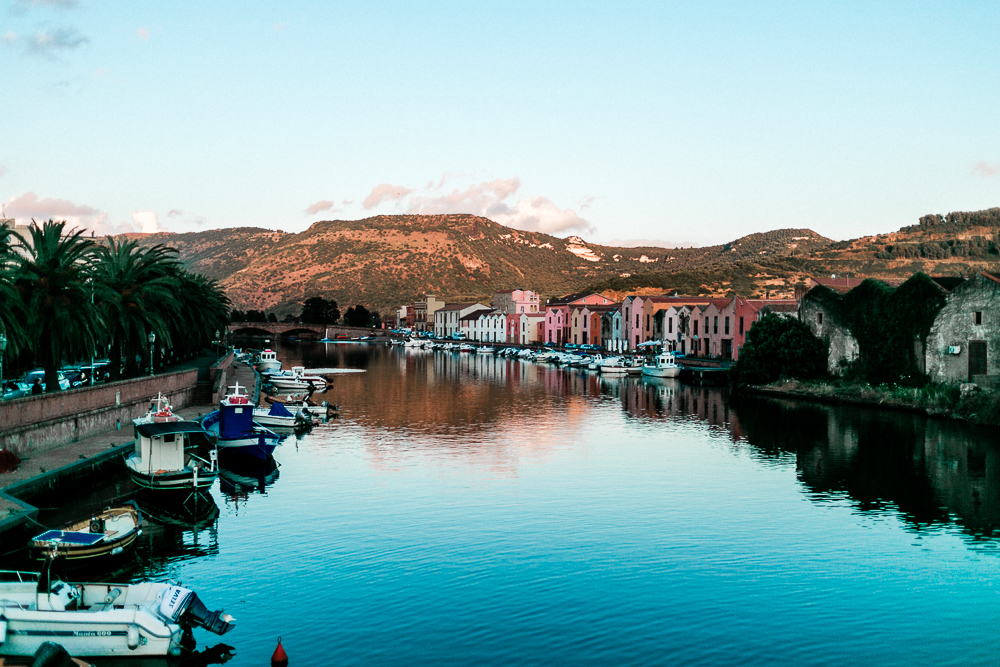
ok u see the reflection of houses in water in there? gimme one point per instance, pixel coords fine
(666, 398)
(929, 470)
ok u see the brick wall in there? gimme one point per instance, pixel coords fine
(67, 416)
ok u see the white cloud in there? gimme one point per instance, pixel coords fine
(58, 4)
(491, 199)
(321, 205)
(147, 221)
(384, 192)
(47, 43)
(985, 169)
(142, 33)
(30, 206)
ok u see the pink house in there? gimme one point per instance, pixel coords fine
(558, 315)
(516, 301)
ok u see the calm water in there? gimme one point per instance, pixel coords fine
(472, 510)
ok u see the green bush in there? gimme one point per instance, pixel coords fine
(778, 347)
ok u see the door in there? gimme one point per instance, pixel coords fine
(977, 358)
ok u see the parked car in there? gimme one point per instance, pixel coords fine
(14, 389)
(30, 378)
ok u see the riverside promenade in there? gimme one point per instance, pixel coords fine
(48, 465)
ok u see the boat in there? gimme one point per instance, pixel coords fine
(278, 416)
(613, 366)
(235, 430)
(147, 619)
(488, 349)
(296, 379)
(108, 533)
(663, 365)
(167, 448)
(267, 360)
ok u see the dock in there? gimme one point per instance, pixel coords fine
(48, 466)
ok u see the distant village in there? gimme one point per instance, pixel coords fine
(962, 344)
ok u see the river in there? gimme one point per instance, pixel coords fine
(466, 509)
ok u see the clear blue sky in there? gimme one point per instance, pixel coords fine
(678, 122)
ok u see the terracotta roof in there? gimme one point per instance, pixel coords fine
(570, 298)
(474, 315)
(781, 307)
(456, 306)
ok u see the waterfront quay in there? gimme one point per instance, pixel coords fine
(76, 435)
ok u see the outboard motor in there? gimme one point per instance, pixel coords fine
(182, 606)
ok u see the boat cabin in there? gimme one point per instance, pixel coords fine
(235, 414)
(161, 445)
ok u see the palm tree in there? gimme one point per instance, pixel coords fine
(137, 295)
(11, 313)
(204, 308)
(51, 273)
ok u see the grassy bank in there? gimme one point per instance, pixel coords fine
(978, 406)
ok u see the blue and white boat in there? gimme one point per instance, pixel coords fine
(235, 429)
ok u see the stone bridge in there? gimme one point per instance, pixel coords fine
(300, 330)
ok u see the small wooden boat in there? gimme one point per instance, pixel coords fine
(106, 534)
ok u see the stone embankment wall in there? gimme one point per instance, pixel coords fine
(65, 416)
(220, 374)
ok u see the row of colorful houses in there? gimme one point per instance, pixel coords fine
(699, 326)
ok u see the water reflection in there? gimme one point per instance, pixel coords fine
(239, 479)
(930, 472)
(176, 529)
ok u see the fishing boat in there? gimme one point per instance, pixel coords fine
(267, 360)
(234, 428)
(170, 453)
(100, 619)
(108, 533)
(663, 365)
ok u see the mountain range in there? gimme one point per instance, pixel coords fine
(384, 261)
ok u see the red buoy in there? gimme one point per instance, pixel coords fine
(279, 658)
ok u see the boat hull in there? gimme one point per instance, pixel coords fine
(265, 366)
(91, 634)
(673, 372)
(176, 480)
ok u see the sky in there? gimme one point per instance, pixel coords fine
(625, 123)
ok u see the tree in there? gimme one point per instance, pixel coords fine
(203, 310)
(779, 347)
(271, 317)
(357, 316)
(317, 310)
(52, 279)
(137, 293)
(11, 312)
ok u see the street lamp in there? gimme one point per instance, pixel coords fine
(152, 339)
(3, 347)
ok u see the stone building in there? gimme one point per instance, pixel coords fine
(964, 342)
(841, 344)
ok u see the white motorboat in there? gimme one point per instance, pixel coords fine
(267, 360)
(613, 366)
(97, 619)
(485, 350)
(165, 455)
(663, 365)
(296, 379)
(279, 416)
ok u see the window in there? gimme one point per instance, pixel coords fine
(819, 318)
(637, 324)
(978, 316)
(741, 326)
(576, 321)
(696, 327)
(727, 325)
(670, 325)
(706, 326)
(715, 325)
(647, 321)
